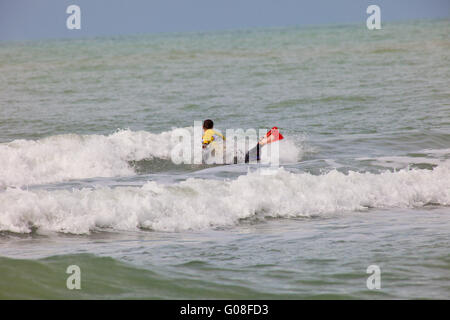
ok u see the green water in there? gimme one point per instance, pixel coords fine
(299, 259)
(86, 177)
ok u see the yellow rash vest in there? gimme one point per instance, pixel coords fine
(211, 135)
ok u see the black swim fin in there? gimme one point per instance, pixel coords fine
(253, 154)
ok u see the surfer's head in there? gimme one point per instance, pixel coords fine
(208, 124)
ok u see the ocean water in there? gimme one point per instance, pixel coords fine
(86, 176)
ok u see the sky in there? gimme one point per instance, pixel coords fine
(41, 19)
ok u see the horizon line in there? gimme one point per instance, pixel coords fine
(212, 31)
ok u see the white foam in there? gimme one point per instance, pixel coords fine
(198, 204)
(70, 156)
(282, 152)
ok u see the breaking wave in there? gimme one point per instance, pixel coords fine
(71, 156)
(197, 204)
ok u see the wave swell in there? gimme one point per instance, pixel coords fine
(71, 156)
(200, 204)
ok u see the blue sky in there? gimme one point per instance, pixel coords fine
(36, 19)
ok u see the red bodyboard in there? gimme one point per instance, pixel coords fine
(271, 136)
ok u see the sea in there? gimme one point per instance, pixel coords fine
(357, 207)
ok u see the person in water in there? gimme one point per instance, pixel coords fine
(212, 142)
(210, 136)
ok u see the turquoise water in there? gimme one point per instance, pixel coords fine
(86, 176)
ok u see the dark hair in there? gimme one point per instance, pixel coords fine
(208, 124)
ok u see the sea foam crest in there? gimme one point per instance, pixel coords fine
(198, 204)
(71, 156)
